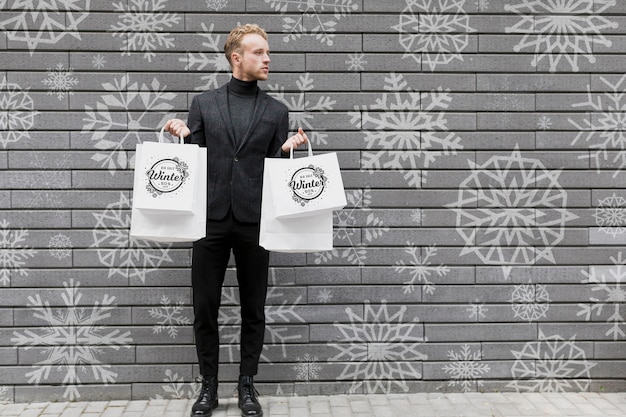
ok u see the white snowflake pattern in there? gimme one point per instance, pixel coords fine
(521, 212)
(307, 368)
(316, 18)
(211, 63)
(603, 130)
(466, 368)
(380, 349)
(169, 317)
(477, 311)
(482, 5)
(351, 242)
(60, 246)
(561, 30)
(420, 268)
(60, 81)
(4, 391)
(434, 33)
(98, 61)
(609, 282)
(324, 296)
(356, 62)
(142, 25)
(176, 388)
(544, 123)
(551, 364)
(530, 302)
(43, 22)
(610, 215)
(301, 110)
(13, 252)
(405, 130)
(17, 114)
(216, 4)
(72, 340)
(112, 134)
(130, 258)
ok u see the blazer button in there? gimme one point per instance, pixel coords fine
(236, 159)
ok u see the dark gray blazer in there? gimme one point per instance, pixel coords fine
(235, 174)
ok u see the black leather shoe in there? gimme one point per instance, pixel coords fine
(207, 400)
(248, 402)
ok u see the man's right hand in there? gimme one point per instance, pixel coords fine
(177, 127)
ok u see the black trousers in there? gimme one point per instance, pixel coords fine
(209, 261)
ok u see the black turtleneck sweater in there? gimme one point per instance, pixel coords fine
(241, 100)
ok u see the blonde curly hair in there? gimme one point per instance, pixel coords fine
(233, 42)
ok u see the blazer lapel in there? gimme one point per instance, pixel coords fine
(257, 114)
(222, 105)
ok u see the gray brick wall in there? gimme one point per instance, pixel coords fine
(483, 154)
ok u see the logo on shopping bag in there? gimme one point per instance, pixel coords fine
(307, 184)
(166, 176)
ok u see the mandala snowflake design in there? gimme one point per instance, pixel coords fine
(561, 30)
(277, 312)
(72, 340)
(130, 258)
(211, 63)
(434, 33)
(169, 317)
(60, 246)
(466, 368)
(530, 302)
(610, 215)
(176, 388)
(60, 81)
(316, 18)
(610, 304)
(356, 62)
(216, 4)
(13, 252)
(114, 135)
(380, 349)
(46, 185)
(43, 22)
(347, 230)
(604, 129)
(551, 364)
(307, 368)
(420, 268)
(301, 110)
(405, 130)
(142, 25)
(17, 114)
(521, 211)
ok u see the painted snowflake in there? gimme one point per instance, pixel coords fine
(4, 393)
(603, 130)
(356, 62)
(347, 231)
(60, 81)
(609, 283)
(405, 130)
(420, 268)
(466, 368)
(434, 33)
(142, 25)
(216, 4)
(72, 340)
(211, 63)
(530, 302)
(47, 185)
(551, 364)
(17, 114)
(561, 30)
(610, 215)
(511, 210)
(114, 135)
(13, 252)
(544, 123)
(477, 311)
(176, 388)
(43, 22)
(60, 246)
(324, 296)
(169, 317)
(301, 110)
(98, 61)
(130, 258)
(380, 349)
(307, 368)
(315, 18)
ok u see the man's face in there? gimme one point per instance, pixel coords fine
(253, 64)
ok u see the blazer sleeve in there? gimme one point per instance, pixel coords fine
(281, 136)
(195, 123)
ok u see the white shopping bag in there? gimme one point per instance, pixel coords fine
(180, 221)
(305, 186)
(313, 233)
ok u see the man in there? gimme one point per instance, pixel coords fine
(240, 125)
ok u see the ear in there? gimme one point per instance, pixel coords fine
(235, 58)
